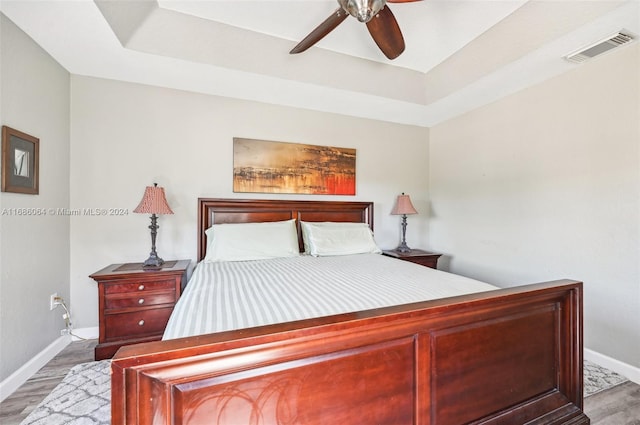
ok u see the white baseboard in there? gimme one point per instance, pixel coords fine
(20, 376)
(632, 373)
(85, 333)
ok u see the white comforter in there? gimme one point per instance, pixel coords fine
(234, 295)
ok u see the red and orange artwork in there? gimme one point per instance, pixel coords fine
(261, 166)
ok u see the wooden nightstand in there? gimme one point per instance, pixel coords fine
(134, 304)
(418, 256)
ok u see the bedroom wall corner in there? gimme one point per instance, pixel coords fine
(34, 250)
(545, 184)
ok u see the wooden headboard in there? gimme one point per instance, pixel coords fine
(216, 211)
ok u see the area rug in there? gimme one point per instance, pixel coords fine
(84, 395)
(598, 378)
(82, 398)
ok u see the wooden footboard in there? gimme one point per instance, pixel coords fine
(511, 356)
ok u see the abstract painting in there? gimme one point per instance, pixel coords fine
(261, 166)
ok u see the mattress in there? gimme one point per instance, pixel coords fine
(235, 295)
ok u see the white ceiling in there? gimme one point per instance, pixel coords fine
(460, 54)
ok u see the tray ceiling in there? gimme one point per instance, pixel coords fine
(460, 54)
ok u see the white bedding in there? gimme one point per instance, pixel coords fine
(234, 295)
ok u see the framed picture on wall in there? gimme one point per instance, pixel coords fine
(20, 160)
(263, 166)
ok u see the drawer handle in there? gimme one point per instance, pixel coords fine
(140, 288)
(141, 301)
(141, 323)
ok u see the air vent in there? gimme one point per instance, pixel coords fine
(616, 40)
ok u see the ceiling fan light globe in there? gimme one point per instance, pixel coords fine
(363, 10)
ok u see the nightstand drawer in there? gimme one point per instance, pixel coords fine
(417, 256)
(425, 261)
(140, 286)
(137, 323)
(145, 298)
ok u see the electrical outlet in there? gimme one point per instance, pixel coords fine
(52, 301)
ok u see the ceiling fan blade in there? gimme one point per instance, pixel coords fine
(321, 30)
(386, 33)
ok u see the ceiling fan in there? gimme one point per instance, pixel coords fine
(381, 23)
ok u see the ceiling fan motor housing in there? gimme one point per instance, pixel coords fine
(363, 10)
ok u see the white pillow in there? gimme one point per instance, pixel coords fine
(329, 238)
(252, 241)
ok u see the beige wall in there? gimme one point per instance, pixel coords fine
(34, 250)
(545, 184)
(126, 136)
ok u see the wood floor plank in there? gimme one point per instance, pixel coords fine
(619, 405)
(18, 405)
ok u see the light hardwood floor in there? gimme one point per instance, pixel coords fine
(18, 405)
(619, 405)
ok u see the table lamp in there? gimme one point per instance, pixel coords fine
(403, 207)
(153, 202)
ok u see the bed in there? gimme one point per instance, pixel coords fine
(503, 356)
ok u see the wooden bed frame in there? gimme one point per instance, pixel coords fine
(510, 356)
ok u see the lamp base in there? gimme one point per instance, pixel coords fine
(153, 261)
(403, 247)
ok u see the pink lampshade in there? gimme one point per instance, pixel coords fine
(403, 206)
(153, 201)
